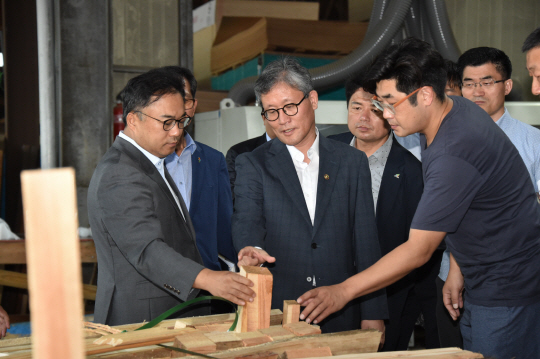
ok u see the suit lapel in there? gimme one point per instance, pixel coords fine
(280, 163)
(328, 169)
(199, 176)
(151, 171)
(391, 180)
(187, 221)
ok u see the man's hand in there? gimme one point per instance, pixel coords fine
(251, 256)
(453, 289)
(323, 301)
(225, 284)
(375, 324)
(4, 322)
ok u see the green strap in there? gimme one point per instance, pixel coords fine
(181, 306)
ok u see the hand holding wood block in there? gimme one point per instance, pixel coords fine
(256, 315)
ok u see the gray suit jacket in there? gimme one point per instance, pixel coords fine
(271, 212)
(147, 255)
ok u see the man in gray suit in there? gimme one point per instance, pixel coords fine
(307, 201)
(145, 242)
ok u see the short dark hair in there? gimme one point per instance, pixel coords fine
(452, 74)
(145, 89)
(354, 84)
(479, 56)
(412, 63)
(286, 70)
(184, 74)
(532, 41)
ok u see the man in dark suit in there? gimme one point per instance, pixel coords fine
(396, 180)
(305, 200)
(246, 146)
(201, 176)
(145, 242)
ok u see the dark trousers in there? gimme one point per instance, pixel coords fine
(449, 331)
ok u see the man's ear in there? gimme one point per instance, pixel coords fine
(132, 120)
(426, 96)
(508, 84)
(194, 105)
(314, 99)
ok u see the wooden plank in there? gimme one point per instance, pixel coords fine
(277, 332)
(307, 353)
(14, 251)
(194, 342)
(264, 355)
(291, 311)
(256, 315)
(356, 341)
(302, 328)
(225, 340)
(296, 10)
(54, 267)
(250, 339)
(20, 280)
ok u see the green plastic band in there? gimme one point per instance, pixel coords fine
(185, 351)
(181, 306)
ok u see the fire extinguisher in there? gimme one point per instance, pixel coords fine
(118, 123)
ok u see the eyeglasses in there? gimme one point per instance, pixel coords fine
(168, 125)
(469, 85)
(290, 109)
(392, 108)
(189, 103)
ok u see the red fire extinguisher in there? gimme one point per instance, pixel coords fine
(118, 124)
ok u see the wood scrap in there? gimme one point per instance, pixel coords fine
(250, 339)
(302, 328)
(356, 341)
(196, 342)
(225, 340)
(256, 315)
(290, 10)
(307, 353)
(277, 332)
(264, 355)
(291, 311)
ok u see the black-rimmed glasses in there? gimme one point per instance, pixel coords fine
(290, 109)
(168, 125)
(469, 85)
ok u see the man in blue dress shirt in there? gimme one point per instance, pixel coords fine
(201, 175)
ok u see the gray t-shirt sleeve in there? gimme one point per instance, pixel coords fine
(450, 185)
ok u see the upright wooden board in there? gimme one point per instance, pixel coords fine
(297, 10)
(291, 311)
(256, 315)
(54, 265)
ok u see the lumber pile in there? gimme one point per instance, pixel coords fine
(240, 39)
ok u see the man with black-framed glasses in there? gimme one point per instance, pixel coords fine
(145, 241)
(303, 203)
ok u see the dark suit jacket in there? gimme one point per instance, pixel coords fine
(271, 213)
(211, 206)
(239, 148)
(147, 255)
(399, 194)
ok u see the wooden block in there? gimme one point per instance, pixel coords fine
(53, 261)
(291, 311)
(302, 328)
(277, 332)
(263, 355)
(250, 339)
(225, 340)
(286, 10)
(307, 353)
(256, 315)
(196, 342)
